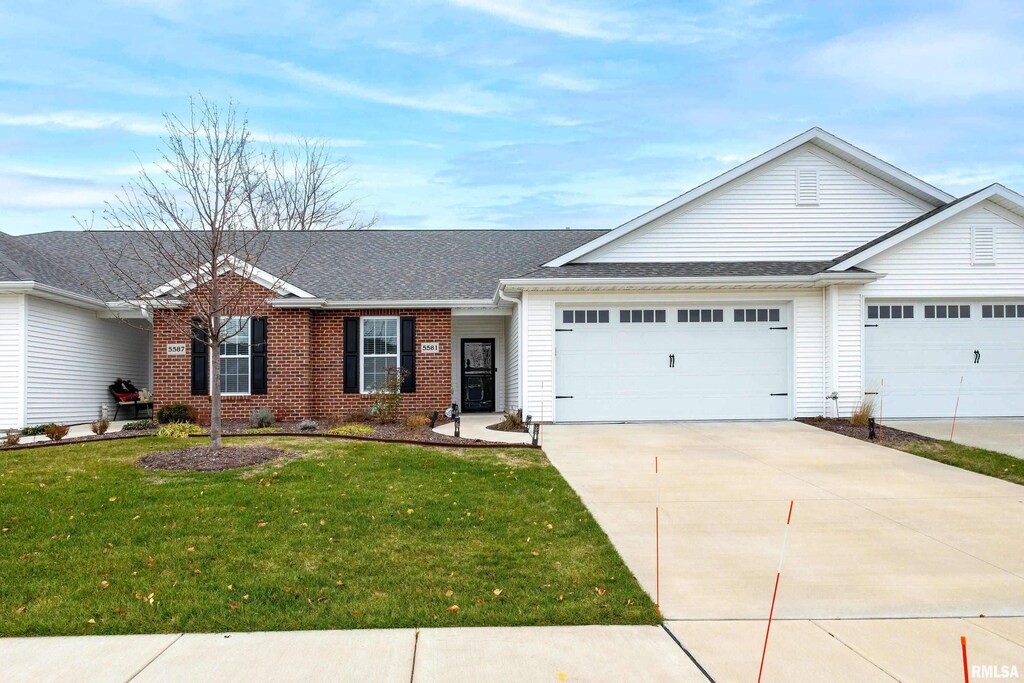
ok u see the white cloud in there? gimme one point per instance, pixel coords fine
(464, 100)
(558, 81)
(976, 177)
(554, 17)
(561, 121)
(939, 58)
(130, 123)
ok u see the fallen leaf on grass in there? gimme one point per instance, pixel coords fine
(92, 621)
(598, 590)
(21, 610)
(453, 609)
(190, 549)
(480, 602)
(233, 605)
(104, 584)
(497, 591)
(448, 593)
(535, 553)
(113, 498)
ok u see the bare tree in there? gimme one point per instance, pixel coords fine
(206, 218)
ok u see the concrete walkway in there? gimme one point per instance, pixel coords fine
(76, 431)
(474, 426)
(577, 653)
(1004, 435)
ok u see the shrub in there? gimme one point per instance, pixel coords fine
(34, 431)
(353, 416)
(13, 437)
(866, 409)
(261, 417)
(100, 426)
(512, 422)
(387, 399)
(351, 430)
(179, 430)
(56, 432)
(137, 425)
(415, 423)
(308, 426)
(176, 412)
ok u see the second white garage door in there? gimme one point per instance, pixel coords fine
(685, 362)
(917, 352)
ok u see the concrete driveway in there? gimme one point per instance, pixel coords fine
(876, 535)
(1004, 434)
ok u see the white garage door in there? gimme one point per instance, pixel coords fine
(685, 362)
(916, 353)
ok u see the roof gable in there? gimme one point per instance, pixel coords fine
(924, 194)
(1003, 197)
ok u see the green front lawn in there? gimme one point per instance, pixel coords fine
(349, 535)
(970, 458)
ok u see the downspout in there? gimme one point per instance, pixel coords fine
(519, 351)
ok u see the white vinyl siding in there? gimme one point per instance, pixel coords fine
(849, 349)
(512, 359)
(479, 327)
(12, 361)
(73, 356)
(938, 262)
(755, 218)
(808, 390)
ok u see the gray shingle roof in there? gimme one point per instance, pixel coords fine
(686, 269)
(375, 265)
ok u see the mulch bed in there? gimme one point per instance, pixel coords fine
(202, 459)
(842, 426)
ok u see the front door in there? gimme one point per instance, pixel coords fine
(478, 375)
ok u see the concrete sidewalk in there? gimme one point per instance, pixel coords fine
(555, 653)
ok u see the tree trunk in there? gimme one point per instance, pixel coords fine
(215, 435)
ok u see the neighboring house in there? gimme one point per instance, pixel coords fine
(813, 268)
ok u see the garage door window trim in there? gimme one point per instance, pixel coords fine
(1002, 311)
(756, 315)
(947, 311)
(591, 316)
(644, 315)
(890, 312)
(700, 315)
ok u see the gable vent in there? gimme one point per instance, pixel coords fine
(807, 188)
(983, 245)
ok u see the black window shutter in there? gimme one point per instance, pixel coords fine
(259, 355)
(200, 359)
(351, 369)
(408, 354)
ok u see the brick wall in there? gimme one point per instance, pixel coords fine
(305, 351)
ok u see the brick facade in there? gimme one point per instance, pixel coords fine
(305, 368)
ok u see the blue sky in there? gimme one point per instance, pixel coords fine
(507, 113)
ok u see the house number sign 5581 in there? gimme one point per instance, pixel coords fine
(430, 347)
(175, 349)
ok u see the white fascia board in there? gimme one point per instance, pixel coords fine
(818, 279)
(814, 135)
(239, 267)
(53, 293)
(335, 304)
(993, 191)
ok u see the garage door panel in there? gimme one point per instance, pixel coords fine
(915, 366)
(672, 370)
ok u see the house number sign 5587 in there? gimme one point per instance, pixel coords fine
(175, 349)
(430, 347)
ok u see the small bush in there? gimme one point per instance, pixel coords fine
(34, 431)
(137, 425)
(261, 417)
(866, 409)
(351, 430)
(353, 416)
(177, 412)
(100, 426)
(308, 426)
(387, 399)
(56, 432)
(415, 423)
(512, 422)
(179, 430)
(13, 437)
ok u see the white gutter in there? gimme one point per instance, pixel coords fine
(54, 293)
(777, 280)
(422, 303)
(516, 306)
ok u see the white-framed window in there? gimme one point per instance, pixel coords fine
(236, 357)
(379, 351)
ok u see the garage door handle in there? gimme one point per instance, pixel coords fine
(671, 360)
(563, 396)
(778, 328)
(977, 356)
(871, 393)
(782, 394)
(562, 329)
(871, 326)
